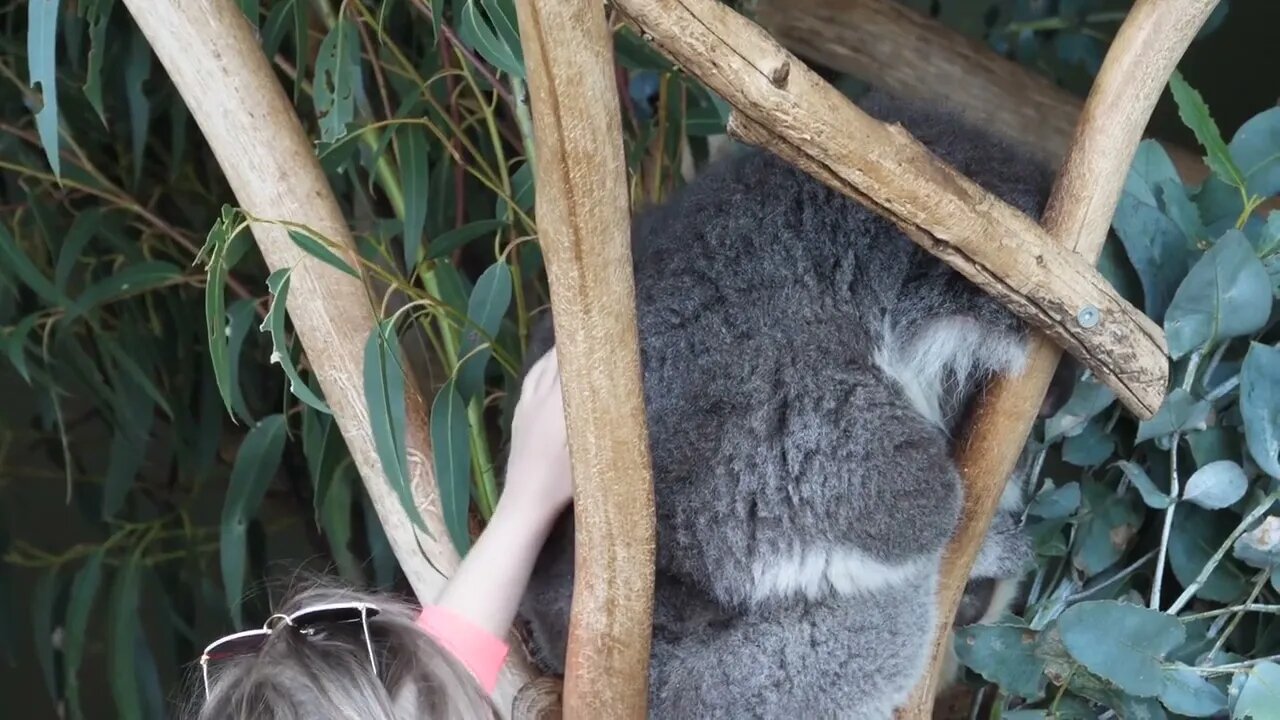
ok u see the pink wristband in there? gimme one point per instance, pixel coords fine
(481, 653)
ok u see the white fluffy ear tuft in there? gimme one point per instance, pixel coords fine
(944, 358)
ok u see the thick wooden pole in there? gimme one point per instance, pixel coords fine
(1145, 52)
(584, 229)
(210, 53)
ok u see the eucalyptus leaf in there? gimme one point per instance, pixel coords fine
(337, 71)
(1124, 644)
(1107, 525)
(137, 72)
(1186, 692)
(1227, 294)
(255, 465)
(1059, 502)
(454, 239)
(1004, 655)
(125, 626)
(240, 320)
(314, 247)
(1180, 412)
(1259, 697)
(384, 391)
(475, 32)
(44, 598)
(1256, 148)
(1260, 406)
(1216, 485)
(16, 261)
(278, 284)
(98, 14)
(1197, 535)
(134, 279)
(452, 446)
(84, 590)
(485, 309)
(415, 181)
(42, 50)
(1260, 547)
(1195, 115)
(1153, 496)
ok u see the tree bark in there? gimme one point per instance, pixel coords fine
(1145, 52)
(209, 51)
(782, 105)
(584, 223)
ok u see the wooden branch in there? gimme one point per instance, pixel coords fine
(584, 219)
(210, 52)
(781, 104)
(1145, 52)
(917, 57)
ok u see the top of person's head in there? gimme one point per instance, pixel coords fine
(326, 674)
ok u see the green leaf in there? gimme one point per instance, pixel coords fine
(1260, 547)
(383, 559)
(278, 284)
(240, 319)
(1187, 693)
(1260, 406)
(137, 71)
(42, 50)
(17, 341)
(255, 465)
(217, 248)
(1227, 294)
(1260, 695)
(523, 192)
(1195, 115)
(129, 443)
(1090, 447)
(1153, 496)
(503, 15)
(450, 441)
(132, 280)
(337, 71)
(1056, 503)
(415, 181)
(335, 521)
(485, 309)
(82, 231)
(1124, 644)
(1197, 535)
(317, 249)
(98, 14)
(1107, 524)
(79, 610)
(475, 33)
(1256, 148)
(44, 598)
(1216, 485)
(125, 595)
(384, 391)
(1180, 412)
(17, 262)
(252, 10)
(446, 243)
(1004, 655)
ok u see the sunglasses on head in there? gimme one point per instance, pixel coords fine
(305, 621)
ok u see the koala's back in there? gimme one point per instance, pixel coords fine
(803, 491)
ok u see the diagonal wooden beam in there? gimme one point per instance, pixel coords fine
(211, 55)
(1145, 52)
(779, 103)
(584, 221)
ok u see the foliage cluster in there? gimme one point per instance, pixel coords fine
(142, 390)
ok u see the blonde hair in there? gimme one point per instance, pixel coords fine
(327, 674)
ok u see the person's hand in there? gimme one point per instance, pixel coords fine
(538, 471)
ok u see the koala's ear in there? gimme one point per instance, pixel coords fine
(1061, 386)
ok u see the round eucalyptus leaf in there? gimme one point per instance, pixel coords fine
(1004, 655)
(1227, 294)
(1216, 485)
(1259, 697)
(1260, 547)
(1123, 644)
(1187, 692)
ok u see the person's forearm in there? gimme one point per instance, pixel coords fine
(488, 584)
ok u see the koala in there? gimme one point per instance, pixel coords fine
(806, 370)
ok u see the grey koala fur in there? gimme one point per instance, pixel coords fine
(805, 370)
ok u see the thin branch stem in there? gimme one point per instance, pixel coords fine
(1209, 566)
